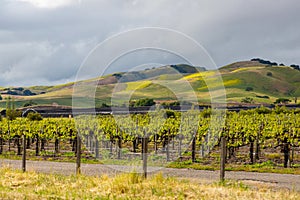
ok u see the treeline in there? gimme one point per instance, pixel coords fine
(18, 91)
(267, 62)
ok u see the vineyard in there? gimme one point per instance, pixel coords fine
(252, 136)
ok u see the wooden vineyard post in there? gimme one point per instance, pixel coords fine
(19, 145)
(110, 147)
(179, 147)
(119, 147)
(1, 144)
(167, 149)
(24, 154)
(251, 153)
(97, 148)
(223, 157)
(155, 143)
(257, 148)
(8, 135)
(56, 146)
(194, 149)
(286, 152)
(145, 156)
(180, 137)
(78, 154)
(134, 144)
(37, 145)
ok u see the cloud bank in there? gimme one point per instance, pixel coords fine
(45, 42)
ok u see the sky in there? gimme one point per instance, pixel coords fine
(44, 42)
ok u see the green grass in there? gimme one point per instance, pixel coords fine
(50, 156)
(265, 167)
(30, 185)
(190, 165)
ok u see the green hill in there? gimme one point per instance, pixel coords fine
(262, 83)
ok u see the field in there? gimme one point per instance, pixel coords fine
(30, 185)
(257, 140)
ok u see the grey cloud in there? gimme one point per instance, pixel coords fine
(46, 46)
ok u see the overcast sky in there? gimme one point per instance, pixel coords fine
(44, 42)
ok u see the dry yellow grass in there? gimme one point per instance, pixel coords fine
(131, 86)
(31, 185)
(199, 75)
(247, 68)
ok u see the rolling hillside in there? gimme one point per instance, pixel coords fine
(262, 83)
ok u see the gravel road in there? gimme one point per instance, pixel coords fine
(286, 181)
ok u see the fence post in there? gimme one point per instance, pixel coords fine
(145, 156)
(223, 158)
(97, 148)
(24, 154)
(78, 155)
(194, 149)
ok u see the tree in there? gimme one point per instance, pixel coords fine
(247, 100)
(104, 105)
(12, 92)
(263, 110)
(29, 103)
(142, 102)
(170, 113)
(269, 74)
(282, 100)
(295, 67)
(265, 62)
(249, 89)
(34, 116)
(28, 93)
(11, 112)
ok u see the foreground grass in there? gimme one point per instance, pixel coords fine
(30, 185)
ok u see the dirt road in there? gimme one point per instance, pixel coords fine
(286, 181)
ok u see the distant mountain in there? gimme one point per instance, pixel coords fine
(257, 80)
